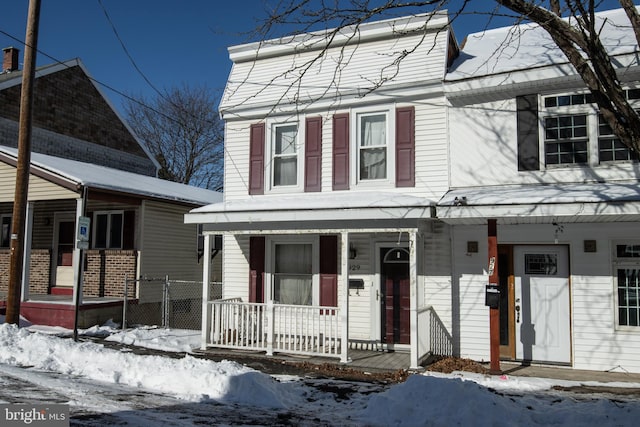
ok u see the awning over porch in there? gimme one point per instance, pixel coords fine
(542, 203)
(318, 210)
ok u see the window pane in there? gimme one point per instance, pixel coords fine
(6, 232)
(115, 233)
(285, 171)
(101, 231)
(285, 157)
(293, 282)
(373, 131)
(373, 163)
(286, 139)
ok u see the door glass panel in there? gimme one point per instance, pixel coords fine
(541, 264)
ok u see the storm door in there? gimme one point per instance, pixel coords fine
(396, 324)
(542, 308)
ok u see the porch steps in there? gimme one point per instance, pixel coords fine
(62, 290)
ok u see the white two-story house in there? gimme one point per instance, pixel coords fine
(335, 157)
(529, 150)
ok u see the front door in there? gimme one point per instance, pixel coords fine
(542, 308)
(396, 324)
(64, 238)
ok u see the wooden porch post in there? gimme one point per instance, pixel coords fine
(78, 265)
(413, 302)
(343, 303)
(494, 313)
(26, 261)
(206, 279)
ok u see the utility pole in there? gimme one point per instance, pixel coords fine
(18, 219)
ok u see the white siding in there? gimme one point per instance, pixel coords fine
(431, 154)
(437, 272)
(336, 72)
(236, 267)
(362, 303)
(484, 151)
(471, 321)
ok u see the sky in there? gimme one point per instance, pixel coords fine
(188, 390)
(167, 43)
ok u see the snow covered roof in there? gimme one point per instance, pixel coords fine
(313, 207)
(104, 178)
(522, 203)
(529, 46)
(523, 59)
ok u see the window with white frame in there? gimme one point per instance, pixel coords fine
(373, 146)
(293, 273)
(627, 283)
(566, 139)
(107, 229)
(610, 148)
(575, 133)
(5, 231)
(284, 152)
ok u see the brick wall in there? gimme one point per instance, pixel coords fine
(40, 271)
(67, 103)
(38, 274)
(105, 272)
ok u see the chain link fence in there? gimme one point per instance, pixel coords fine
(166, 302)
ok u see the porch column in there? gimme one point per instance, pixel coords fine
(343, 303)
(206, 279)
(78, 266)
(413, 302)
(26, 260)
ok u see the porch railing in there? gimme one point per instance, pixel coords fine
(270, 327)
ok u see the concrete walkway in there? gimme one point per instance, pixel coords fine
(569, 374)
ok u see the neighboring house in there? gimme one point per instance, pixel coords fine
(335, 156)
(86, 162)
(529, 150)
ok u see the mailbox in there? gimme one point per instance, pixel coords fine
(492, 296)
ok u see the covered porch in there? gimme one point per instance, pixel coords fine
(366, 272)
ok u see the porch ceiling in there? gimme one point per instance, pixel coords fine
(533, 204)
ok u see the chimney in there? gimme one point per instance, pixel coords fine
(9, 59)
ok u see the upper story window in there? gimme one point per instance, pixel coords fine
(5, 231)
(565, 139)
(573, 131)
(107, 229)
(284, 149)
(610, 148)
(372, 146)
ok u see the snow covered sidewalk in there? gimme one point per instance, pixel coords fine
(201, 385)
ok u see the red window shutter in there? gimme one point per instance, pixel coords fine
(256, 268)
(341, 151)
(329, 271)
(405, 147)
(256, 159)
(313, 154)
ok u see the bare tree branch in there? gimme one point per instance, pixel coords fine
(184, 132)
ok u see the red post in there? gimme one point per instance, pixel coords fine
(494, 313)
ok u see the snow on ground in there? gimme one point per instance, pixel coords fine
(430, 399)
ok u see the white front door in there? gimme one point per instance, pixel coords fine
(543, 331)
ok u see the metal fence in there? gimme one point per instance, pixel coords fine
(166, 302)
